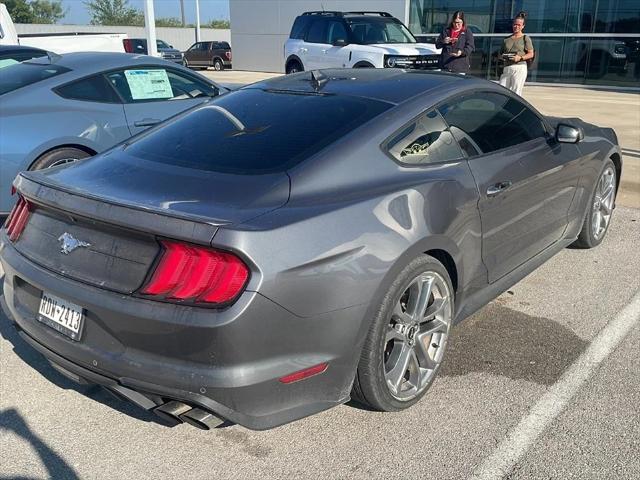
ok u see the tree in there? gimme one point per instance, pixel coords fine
(114, 12)
(45, 11)
(36, 11)
(169, 22)
(218, 23)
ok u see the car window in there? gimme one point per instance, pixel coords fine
(156, 84)
(225, 45)
(299, 27)
(193, 47)
(425, 141)
(252, 131)
(27, 73)
(92, 89)
(316, 31)
(486, 122)
(17, 57)
(162, 44)
(336, 31)
(371, 30)
(205, 46)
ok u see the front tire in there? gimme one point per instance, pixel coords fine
(596, 222)
(407, 340)
(59, 156)
(294, 67)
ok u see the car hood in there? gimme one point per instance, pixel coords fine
(212, 197)
(168, 50)
(407, 49)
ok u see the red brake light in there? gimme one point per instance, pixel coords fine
(128, 47)
(228, 54)
(196, 274)
(18, 218)
(306, 373)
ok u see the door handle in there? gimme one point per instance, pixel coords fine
(325, 50)
(498, 188)
(303, 50)
(147, 122)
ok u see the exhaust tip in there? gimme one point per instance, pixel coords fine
(201, 419)
(170, 412)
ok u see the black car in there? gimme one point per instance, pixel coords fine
(208, 54)
(139, 45)
(298, 242)
(16, 53)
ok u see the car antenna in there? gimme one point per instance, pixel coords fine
(318, 80)
(53, 57)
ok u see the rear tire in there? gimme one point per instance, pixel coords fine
(407, 339)
(59, 156)
(217, 65)
(598, 218)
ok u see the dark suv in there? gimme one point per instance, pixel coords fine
(208, 54)
(139, 45)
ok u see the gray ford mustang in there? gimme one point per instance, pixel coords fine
(298, 242)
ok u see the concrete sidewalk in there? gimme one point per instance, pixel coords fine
(618, 110)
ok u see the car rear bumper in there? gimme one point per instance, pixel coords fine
(227, 362)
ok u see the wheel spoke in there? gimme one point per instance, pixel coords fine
(393, 334)
(420, 299)
(423, 344)
(400, 315)
(434, 326)
(395, 376)
(435, 308)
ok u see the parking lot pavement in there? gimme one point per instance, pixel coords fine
(618, 110)
(502, 363)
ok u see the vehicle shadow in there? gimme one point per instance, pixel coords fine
(501, 341)
(12, 421)
(36, 361)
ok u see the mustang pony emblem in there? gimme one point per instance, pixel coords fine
(70, 243)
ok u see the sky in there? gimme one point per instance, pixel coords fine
(209, 9)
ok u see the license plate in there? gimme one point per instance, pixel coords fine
(62, 315)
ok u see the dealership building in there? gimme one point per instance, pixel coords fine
(591, 42)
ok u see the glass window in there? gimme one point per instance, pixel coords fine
(252, 131)
(424, 141)
(490, 122)
(162, 44)
(93, 89)
(336, 31)
(618, 16)
(371, 30)
(316, 31)
(27, 73)
(299, 27)
(194, 47)
(153, 84)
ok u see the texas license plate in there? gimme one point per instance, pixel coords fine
(62, 315)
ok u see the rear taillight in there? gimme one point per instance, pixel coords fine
(228, 54)
(128, 46)
(190, 273)
(18, 218)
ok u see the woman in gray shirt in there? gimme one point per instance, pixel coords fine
(516, 50)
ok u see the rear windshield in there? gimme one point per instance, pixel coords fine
(254, 131)
(23, 74)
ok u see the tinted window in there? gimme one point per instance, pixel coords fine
(21, 56)
(162, 44)
(93, 89)
(336, 31)
(316, 31)
(424, 141)
(490, 121)
(299, 27)
(27, 73)
(154, 84)
(369, 30)
(252, 131)
(225, 45)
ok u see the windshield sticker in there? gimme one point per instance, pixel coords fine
(148, 84)
(7, 61)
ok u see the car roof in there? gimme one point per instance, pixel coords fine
(19, 48)
(385, 84)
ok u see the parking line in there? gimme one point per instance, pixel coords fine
(553, 402)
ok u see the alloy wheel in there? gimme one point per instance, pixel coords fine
(603, 203)
(416, 336)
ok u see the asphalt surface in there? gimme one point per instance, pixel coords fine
(502, 361)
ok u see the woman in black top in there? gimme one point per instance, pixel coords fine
(456, 42)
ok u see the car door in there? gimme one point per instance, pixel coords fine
(313, 52)
(525, 179)
(336, 56)
(191, 54)
(152, 94)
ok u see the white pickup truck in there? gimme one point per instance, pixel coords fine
(59, 42)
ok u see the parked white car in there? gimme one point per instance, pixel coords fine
(59, 42)
(355, 40)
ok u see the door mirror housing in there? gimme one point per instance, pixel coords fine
(568, 134)
(340, 42)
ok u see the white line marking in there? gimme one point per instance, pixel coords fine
(553, 402)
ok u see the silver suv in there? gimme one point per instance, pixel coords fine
(354, 40)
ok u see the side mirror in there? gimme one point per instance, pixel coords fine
(340, 42)
(568, 134)
(170, 46)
